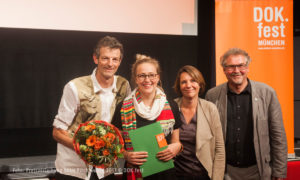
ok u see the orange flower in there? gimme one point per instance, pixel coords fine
(99, 144)
(122, 150)
(110, 137)
(108, 144)
(90, 127)
(97, 140)
(91, 140)
(105, 152)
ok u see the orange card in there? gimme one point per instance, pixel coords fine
(161, 140)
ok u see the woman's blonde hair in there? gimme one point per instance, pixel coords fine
(140, 59)
(194, 73)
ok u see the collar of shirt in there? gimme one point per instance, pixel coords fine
(97, 86)
(247, 90)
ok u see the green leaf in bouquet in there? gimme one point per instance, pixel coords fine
(92, 123)
(83, 148)
(111, 157)
(82, 136)
(97, 133)
(108, 128)
(117, 141)
(101, 130)
(120, 155)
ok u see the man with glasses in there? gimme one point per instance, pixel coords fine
(250, 113)
(92, 97)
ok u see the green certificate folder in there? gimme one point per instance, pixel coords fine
(144, 139)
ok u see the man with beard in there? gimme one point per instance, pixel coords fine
(92, 97)
(250, 113)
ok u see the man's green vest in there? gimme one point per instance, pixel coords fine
(90, 102)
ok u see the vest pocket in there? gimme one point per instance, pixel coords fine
(88, 110)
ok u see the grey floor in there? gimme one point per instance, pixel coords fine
(29, 168)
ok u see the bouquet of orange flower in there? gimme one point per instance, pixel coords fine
(98, 143)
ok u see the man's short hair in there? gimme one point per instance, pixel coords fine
(110, 42)
(234, 51)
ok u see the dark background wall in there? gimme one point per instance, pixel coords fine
(36, 64)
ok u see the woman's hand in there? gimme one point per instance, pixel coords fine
(167, 154)
(136, 158)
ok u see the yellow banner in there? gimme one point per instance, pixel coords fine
(264, 29)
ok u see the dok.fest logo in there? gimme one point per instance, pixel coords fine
(271, 27)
